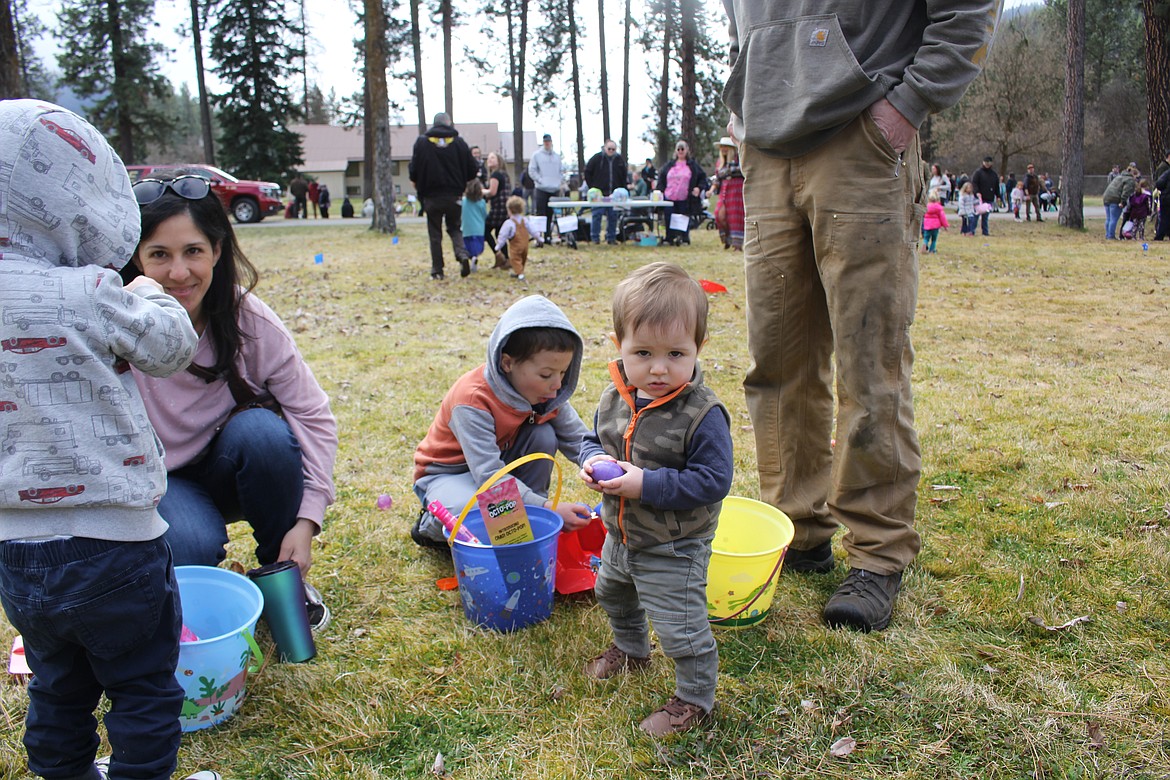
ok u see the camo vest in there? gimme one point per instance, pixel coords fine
(657, 436)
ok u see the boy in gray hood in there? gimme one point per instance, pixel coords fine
(826, 98)
(515, 404)
(85, 575)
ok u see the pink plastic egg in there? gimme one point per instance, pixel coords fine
(606, 469)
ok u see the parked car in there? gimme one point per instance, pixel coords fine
(244, 199)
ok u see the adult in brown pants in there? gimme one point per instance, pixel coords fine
(832, 274)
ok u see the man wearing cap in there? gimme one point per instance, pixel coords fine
(985, 182)
(545, 170)
(440, 168)
(1032, 193)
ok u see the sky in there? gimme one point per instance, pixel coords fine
(332, 26)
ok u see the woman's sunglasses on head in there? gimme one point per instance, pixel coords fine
(190, 187)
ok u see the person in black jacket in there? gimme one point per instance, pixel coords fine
(1162, 184)
(606, 171)
(440, 167)
(985, 182)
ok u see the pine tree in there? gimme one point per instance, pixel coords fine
(1072, 188)
(11, 85)
(35, 81)
(1157, 16)
(208, 151)
(253, 41)
(378, 115)
(108, 58)
(417, 76)
(557, 37)
(512, 15)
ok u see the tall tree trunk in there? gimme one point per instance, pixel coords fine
(368, 149)
(518, 106)
(124, 123)
(10, 81)
(664, 141)
(690, 98)
(201, 83)
(1157, 77)
(517, 46)
(23, 49)
(576, 89)
(1072, 185)
(378, 117)
(416, 44)
(626, 89)
(304, 62)
(449, 89)
(604, 75)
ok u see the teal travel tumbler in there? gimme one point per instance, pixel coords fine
(284, 609)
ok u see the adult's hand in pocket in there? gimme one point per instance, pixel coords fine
(895, 127)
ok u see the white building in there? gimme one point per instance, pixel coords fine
(336, 155)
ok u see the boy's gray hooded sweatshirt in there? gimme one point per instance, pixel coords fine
(481, 413)
(78, 456)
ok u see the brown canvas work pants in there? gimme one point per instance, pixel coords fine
(832, 283)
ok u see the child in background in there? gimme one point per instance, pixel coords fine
(1018, 198)
(967, 205)
(672, 436)
(324, 200)
(85, 575)
(515, 404)
(516, 233)
(1137, 211)
(474, 220)
(936, 217)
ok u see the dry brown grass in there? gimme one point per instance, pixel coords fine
(1042, 395)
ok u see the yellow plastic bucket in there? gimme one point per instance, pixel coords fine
(746, 557)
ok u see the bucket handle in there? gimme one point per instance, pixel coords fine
(502, 472)
(755, 598)
(256, 663)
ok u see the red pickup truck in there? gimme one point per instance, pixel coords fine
(246, 200)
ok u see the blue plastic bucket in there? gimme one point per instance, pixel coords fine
(510, 586)
(221, 608)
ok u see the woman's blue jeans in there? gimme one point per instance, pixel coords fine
(253, 471)
(1112, 217)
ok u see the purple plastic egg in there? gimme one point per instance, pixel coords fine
(606, 470)
(385, 502)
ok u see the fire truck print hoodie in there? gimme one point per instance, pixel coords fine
(78, 456)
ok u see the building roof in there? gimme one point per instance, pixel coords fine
(332, 148)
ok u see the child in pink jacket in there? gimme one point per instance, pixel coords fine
(936, 217)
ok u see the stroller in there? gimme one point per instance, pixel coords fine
(1133, 218)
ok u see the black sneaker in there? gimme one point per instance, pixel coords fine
(465, 267)
(319, 614)
(818, 560)
(864, 601)
(421, 539)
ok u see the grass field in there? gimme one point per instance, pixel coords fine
(1043, 404)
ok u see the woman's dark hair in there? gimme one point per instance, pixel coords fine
(523, 343)
(234, 276)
